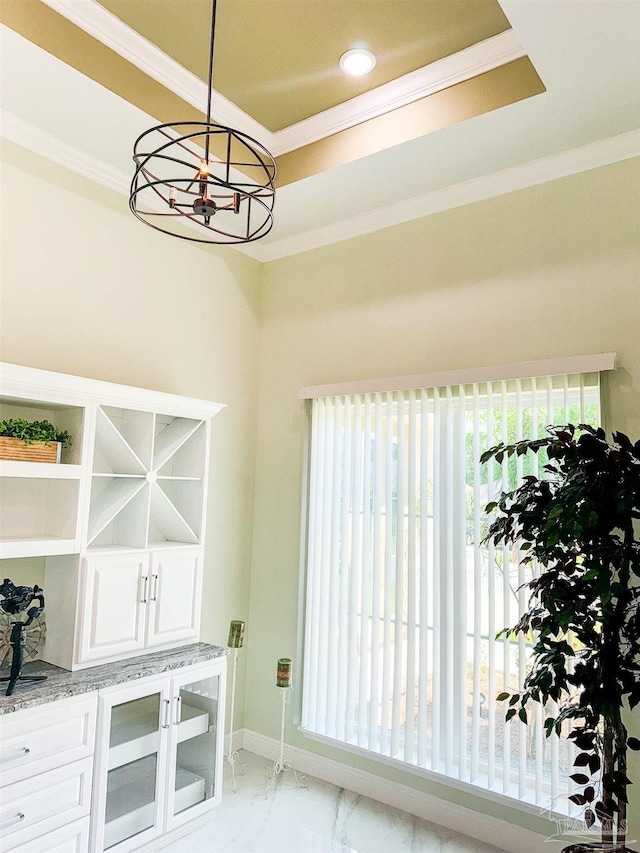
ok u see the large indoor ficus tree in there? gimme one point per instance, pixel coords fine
(579, 521)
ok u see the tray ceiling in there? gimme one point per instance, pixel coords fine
(80, 84)
(276, 73)
(278, 60)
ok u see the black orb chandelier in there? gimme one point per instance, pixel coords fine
(214, 179)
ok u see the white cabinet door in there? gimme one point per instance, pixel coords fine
(131, 760)
(175, 595)
(196, 743)
(115, 605)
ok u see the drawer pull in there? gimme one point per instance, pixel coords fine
(154, 592)
(166, 713)
(20, 753)
(20, 816)
(145, 584)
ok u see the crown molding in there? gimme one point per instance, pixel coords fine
(29, 136)
(98, 22)
(591, 156)
(448, 71)
(95, 20)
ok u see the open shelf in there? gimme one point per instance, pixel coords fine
(112, 452)
(39, 470)
(171, 435)
(132, 739)
(171, 478)
(37, 546)
(61, 415)
(128, 528)
(189, 790)
(38, 511)
(193, 722)
(147, 483)
(135, 737)
(186, 497)
(131, 792)
(131, 800)
(108, 498)
(40, 501)
(166, 523)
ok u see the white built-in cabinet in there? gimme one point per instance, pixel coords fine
(46, 769)
(140, 601)
(159, 756)
(120, 520)
(115, 768)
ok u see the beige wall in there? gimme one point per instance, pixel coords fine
(546, 272)
(88, 290)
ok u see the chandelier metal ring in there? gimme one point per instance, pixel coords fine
(203, 175)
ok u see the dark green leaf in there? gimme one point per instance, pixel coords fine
(579, 778)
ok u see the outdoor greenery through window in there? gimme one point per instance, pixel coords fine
(403, 598)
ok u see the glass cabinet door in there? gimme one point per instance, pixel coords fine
(135, 769)
(197, 743)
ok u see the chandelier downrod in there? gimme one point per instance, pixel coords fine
(214, 5)
(211, 178)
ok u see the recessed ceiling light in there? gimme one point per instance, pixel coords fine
(357, 62)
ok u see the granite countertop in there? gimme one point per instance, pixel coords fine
(61, 684)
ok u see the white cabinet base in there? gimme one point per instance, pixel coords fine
(34, 807)
(169, 838)
(73, 838)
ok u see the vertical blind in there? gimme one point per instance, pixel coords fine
(403, 598)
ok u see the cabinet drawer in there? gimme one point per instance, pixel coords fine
(37, 806)
(73, 838)
(38, 739)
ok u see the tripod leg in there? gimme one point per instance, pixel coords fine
(17, 643)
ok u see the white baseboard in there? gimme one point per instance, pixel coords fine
(238, 741)
(504, 836)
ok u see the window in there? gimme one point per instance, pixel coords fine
(404, 600)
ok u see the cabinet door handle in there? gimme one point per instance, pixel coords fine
(166, 711)
(154, 591)
(19, 753)
(178, 712)
(145, 583)
(20, 816)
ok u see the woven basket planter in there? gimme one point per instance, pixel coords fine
(37, 451)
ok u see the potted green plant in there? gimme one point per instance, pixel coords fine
(34, 441)
(580, 522)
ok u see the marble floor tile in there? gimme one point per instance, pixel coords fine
(319, 818)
